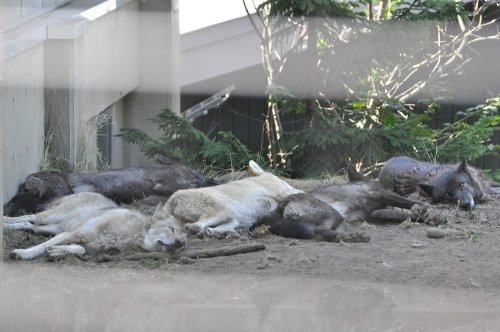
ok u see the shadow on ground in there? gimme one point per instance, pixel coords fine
(45, 297)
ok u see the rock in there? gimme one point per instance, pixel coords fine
(436, 233)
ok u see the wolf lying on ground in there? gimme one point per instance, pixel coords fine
(442, 183)
(88, 221)
(302, 216)
(224, 208)
(321, 213)
(154, 183)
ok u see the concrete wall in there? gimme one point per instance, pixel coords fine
(61, 69)
(219, 49)
(1, 137)
(22, 106)
(158, 72)
(85, 76)
(19, 11)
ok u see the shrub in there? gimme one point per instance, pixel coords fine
(181, 141)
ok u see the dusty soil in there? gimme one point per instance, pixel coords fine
(467, 258)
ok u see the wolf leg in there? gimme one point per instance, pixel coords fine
(389, 216)
(227, 229)
(340, 233)
(19, 226)
(219, 219)
(393, 199)
(46, 230)
(38, 250)
(63, 250)
(21, 219)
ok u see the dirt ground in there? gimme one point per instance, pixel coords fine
(400, 255)
(468, 257)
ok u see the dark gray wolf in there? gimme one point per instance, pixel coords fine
(154, 184)
(457, 184)
(89, 221)
(321, 214)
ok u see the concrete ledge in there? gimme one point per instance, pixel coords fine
(68, 22)
(67, 29)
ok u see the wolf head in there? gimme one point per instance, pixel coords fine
(458, 185)
(37, 192)
(164, 234)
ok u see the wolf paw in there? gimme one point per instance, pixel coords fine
(19, 254)
(419, 213)
(193, 228)
(206, 233)
(357, 237)
(209, 232)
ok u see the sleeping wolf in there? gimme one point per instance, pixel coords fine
(153, 183)
(222, 209)
(457, 184)
(321, 213)
(91, 222)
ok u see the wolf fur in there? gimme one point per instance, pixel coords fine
(153, 184)
(302, 216)
(457, 184)
(90, 222)
(324, 213)
(224, 208)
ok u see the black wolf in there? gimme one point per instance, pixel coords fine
(302, 216)
(153, 184)
(457, 184)
(322, 214)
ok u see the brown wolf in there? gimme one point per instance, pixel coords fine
(457, 184)
(91, 222)
(154, 184)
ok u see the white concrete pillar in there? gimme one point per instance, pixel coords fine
(1, 133)
(159, 71)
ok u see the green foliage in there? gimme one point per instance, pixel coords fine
(181, 141)
(470, 134)
(357, 133)
(227, 153)
(318, 8)
(492, 174)
(428, 10)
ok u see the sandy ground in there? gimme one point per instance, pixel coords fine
(401, 280)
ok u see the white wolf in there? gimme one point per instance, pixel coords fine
(91, 222)
(224, 208)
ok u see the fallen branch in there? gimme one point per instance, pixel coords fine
(201, 253)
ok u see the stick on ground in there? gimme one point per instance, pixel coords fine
(202, 253)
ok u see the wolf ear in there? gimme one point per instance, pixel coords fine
(159, 213)
(254, 169)
(353, 174)
(426, 188)
(463, 167)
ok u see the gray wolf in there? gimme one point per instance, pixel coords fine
(457, 184)
(90, 222)
(153, 184)
(224, 208)
(324, 213)
(302, 216)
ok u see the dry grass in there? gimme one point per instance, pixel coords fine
(261, 231)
